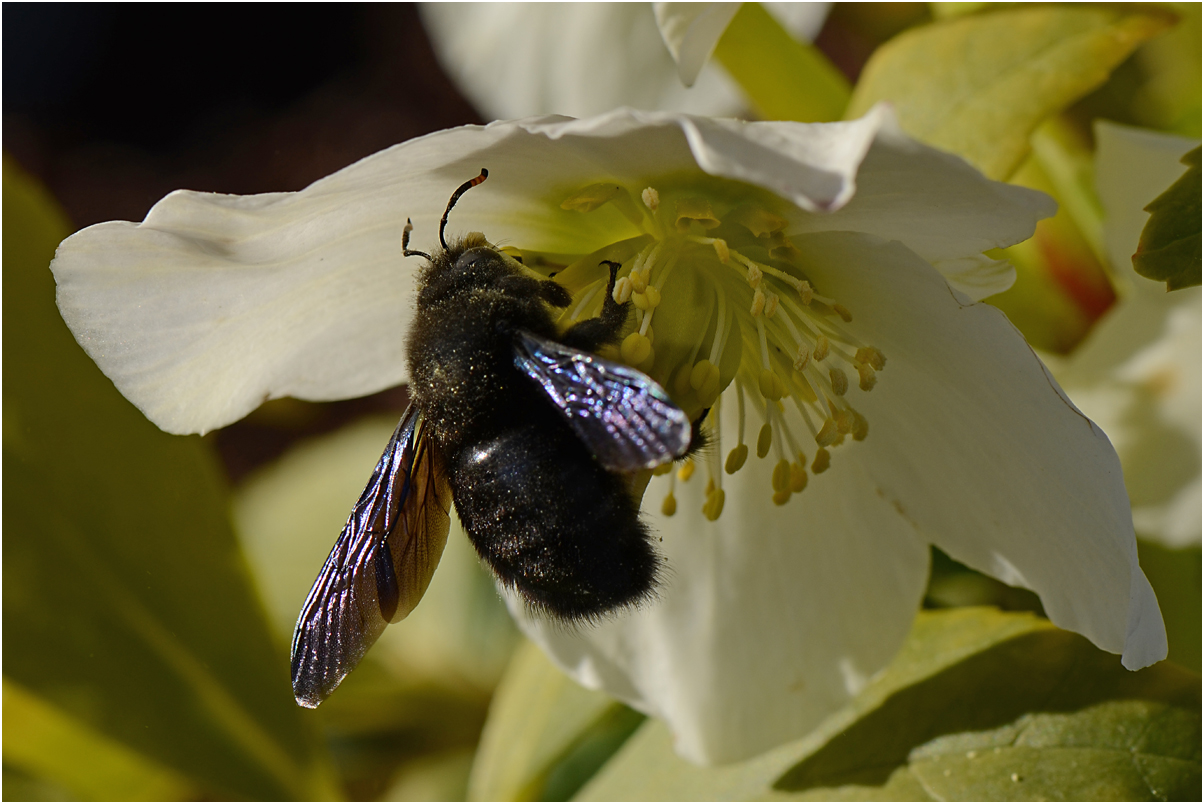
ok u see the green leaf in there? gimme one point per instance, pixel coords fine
(49, 744)
(979, 704)
(127, 604)
(785, 79)
(979, 85)
(1169, 249)
(545, 735)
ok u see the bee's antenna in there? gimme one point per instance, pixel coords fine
(461, 190)
(406, 251)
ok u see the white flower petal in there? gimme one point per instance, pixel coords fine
(951, 210)
(769, 619)
(977, 445)
(977, 276)
(217, 303)
(516, 60)
(691, 31)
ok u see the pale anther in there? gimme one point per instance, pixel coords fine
(623, 290)
(821, 347)
(840, 382)
(805, 291)
(651, 198)
(754, 275)
(758, 303)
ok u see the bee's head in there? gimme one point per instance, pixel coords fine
(466, 265)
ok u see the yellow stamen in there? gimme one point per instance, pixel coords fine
(686, 471)
(635, 349)
(872, 357)
(827, 434)
(798, 474)
(840, 381)
(771, 385)
(736, 459)
(821, 348)
(822, 461)
(713, 506)
(868, 378)
(781, 475)
(764, 440)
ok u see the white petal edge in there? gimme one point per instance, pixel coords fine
(977, 277)
(691, 31)
(974, 440)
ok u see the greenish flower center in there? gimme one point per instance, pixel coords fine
(723, 302)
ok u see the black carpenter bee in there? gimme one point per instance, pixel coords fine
(528, 431)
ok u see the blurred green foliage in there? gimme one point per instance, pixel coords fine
(130, 618)
(978, 85)
(785, 79)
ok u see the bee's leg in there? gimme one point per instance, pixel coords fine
(555, 294)
(594, 333)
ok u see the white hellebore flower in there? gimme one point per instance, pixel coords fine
(781, 271)
(1138, 371)
(580, 59)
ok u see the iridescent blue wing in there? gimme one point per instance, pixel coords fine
(380, 566)
(622, 415)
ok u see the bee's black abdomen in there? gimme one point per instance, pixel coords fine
(552, 523)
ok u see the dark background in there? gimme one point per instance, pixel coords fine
(113, 106)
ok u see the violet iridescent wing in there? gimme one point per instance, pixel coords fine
(623, 416)
(380, 566)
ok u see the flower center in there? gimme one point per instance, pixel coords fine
(725, 312)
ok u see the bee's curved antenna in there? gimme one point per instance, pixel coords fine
(461, 190)
(406, 251)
